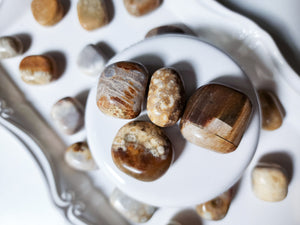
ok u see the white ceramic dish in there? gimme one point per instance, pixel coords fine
(197, 175)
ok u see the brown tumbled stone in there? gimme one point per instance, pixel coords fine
(271, 114)
(37, 69)
(165, 97)
(121, 89)
(10, 47)
(141, 7)
(47, 12)
(92, 14)
(141, 150)
(167, 29)
(216, 117)
(217, 208)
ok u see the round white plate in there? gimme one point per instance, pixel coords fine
(197, 174)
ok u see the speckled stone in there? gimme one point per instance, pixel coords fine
(47, 12)
(167, 29)
(216, 118)
(141, 7)
(271, 114)
(37, 69)
(79, 157)
(121, 89)
(67, 114)
(165, 97)
(269, 182)
(91, 60)
(92, 14)
(10, 47)
(130, 208)
(217, 208)
(141, 150)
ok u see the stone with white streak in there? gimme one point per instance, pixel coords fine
(10, 47)
(130, 208)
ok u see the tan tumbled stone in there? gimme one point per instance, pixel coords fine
(141, 7)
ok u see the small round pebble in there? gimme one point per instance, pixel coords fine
(141, 7)
(37, 69)
(167, 29)
(47, 12)
(269, 182)
(78, 156)
(67, 114)
(10, 47)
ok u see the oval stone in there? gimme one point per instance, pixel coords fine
(167, 29)
(165, 97)
(121, 89)
(92, 14)
(10, 47)
(141, 7)
(79, 157)
(141, 150)
(37, 69)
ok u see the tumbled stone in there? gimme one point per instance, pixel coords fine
(91, 60)
(92, 14)
(47, 12)
(217, 208)
(270, 107)
(165, 97)
(130, 208)
(10, 47)
(141, 150)
(121, 89)
(37, 69)
(167, 29)
(216, 117)
(67, 114)
(141, 7)
(269, 182)
(79, 157)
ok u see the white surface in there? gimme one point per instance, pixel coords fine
(244, 41)
(198, 174)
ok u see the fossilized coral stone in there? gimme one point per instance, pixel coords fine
(47, 12)
(37, 69)
(269, 182)
(142, 150)
(121, 89)
(10, 47)
(141, 7)
(165, 97)
(216, 117)
(92, 14)
(215, 209)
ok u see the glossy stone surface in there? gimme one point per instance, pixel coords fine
(271, 113)
(92, 14)
(141, 7)
(79, 157)
(269, 182)
(217, 208)
(121, 89)
(47, 12)
(67, 114)
(167, 29)
(10, 47)
(37, 69)
(91, 60)
(165, 97)
(130, 208)
(216, 118)
(141, 150)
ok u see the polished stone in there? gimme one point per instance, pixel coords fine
(10, 47)
(92, 14)
(79, 157)
(269, 182)
(216, 118)
(141, 7)
(142, 150)
(121, 89)
(167, 29)
(165, 97)
(130, 208)
(68, 114)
